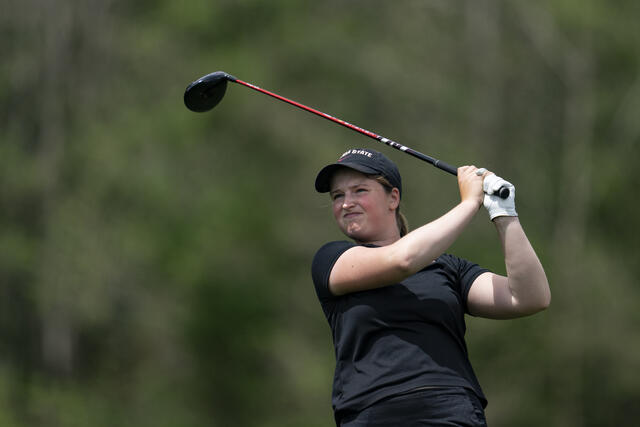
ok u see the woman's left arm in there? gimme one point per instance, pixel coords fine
(525, 289)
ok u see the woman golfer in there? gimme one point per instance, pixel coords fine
(396, 301)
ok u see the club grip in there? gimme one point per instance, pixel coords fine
(445, 167)
(503, 192)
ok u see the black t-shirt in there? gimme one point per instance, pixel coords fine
(396, 338)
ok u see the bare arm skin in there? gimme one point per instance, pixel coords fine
(361, 268)
(525, 289)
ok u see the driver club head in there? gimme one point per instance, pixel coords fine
(206, 92)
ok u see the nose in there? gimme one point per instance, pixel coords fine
(347, 202)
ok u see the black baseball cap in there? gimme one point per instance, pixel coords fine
(363, 160)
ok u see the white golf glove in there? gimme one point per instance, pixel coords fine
(493, 203)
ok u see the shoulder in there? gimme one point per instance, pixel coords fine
(461, 272)
(450, 263)
(331, 251)
(334, 246)
(323, 262)
(455, 263)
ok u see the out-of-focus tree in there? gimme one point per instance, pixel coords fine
(154, 263)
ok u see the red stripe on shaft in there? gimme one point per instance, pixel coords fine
(311, 110)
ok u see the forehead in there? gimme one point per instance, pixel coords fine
(346, 177)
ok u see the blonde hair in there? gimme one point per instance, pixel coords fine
(401, 220)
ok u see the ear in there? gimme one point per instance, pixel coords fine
(394, 199)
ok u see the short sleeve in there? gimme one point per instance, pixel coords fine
(323, 263)
(465, 273)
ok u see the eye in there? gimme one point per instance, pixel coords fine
(336, 196)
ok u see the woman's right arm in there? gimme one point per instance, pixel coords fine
(361, 268)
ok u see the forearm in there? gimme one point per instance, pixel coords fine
(421, 246)
(526, 277)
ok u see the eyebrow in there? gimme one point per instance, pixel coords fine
(360, 184)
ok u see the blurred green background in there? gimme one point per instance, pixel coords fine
(155, 263)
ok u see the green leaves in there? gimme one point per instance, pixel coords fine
(154, 262)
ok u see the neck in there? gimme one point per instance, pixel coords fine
(381, 240)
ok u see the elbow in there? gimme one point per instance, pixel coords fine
(534, 301)
(403, 263)
(546, 295)
(406, 259)
(546, 301)
(403, 266)
(542, 305)
(539, 304)
(536, 296)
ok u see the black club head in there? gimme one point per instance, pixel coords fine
(206, 92)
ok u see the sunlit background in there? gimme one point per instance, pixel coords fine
(155, 262)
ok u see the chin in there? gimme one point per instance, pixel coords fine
(358, 236)
(355, 231)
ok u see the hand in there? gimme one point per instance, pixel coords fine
(470, 185)
(493, 203)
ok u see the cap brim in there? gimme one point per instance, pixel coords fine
(323, 180)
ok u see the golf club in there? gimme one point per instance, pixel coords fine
(206, 92)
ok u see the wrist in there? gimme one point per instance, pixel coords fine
(473, 204)
(504, 221)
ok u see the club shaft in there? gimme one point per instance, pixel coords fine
(502, 192)
(435, 162)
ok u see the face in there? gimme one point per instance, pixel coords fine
(362, 207)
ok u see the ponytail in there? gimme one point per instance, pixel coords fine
(401, 220)
(403, 224)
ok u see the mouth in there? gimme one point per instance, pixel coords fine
(351, 215)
